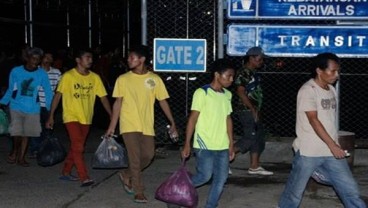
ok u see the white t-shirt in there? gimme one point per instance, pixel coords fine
(54, 77)
(311, 97)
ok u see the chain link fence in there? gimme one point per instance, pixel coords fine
(281, 77)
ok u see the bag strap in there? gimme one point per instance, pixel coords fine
(184, 162)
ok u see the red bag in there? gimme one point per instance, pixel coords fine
(178, 189)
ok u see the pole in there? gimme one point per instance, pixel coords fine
(26, 22)
(220, 29)
(337, 86)
(67, 27)
(144, 21)
(128, 29)
(89, 24)
(30, 24)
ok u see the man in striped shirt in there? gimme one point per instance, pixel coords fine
(54, 77)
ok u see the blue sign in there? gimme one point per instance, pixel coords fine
(179, 55)
(298, 9)
(298, 41)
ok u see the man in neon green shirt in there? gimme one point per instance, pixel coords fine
(136, 92)
(213, 137)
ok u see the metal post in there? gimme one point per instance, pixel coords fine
(144, 21)
(187, 74)
(126, 41)
(67, 27)
(220, 29)
(99, 24)
(26, 23)
(30, 24)
(89, 24)
(337, 86)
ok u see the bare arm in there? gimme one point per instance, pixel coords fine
(54, 105)
(166, 109)
(106, 104)
(322, 133)
(116, 108)
(242, 93)
(192, 121)
(229, 124)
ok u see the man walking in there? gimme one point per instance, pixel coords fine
(136, 92)
(22, 94)
(78, 89)
(249, 91)
(316, 146)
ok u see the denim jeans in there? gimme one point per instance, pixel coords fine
(211, 164)
(336, 170)
(253, 134)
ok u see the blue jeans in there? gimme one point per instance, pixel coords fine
(336, 170)
(215, 165)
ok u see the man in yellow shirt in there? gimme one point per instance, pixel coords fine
(78, 87)
(136, 92)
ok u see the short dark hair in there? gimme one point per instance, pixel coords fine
(221, 65)
(142, 51)
(34, 51)
(321, 61)
(81, 51)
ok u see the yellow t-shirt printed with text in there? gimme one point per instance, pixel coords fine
(79, 95)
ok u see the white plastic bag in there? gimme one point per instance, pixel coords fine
(109, 155)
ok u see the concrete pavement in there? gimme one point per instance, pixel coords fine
(39, 187)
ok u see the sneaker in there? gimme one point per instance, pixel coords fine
(230, 172)
(259, 171)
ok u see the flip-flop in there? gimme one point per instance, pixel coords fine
(87, 182)
(68, 178)
(128, 189)
(23, 163)
(140, 198)
(10, 160)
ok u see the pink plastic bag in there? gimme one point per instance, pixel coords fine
(178, 189)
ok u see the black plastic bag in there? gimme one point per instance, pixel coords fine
(51, 151)
(109, 155)
(178, 189)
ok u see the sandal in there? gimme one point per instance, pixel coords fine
(128, 188)
(68, 178)
(23, 163)
(10, 160)
(140, 198)
(87, 182)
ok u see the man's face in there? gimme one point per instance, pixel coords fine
(135, 61)
(226, 78)
(47, 59)
(256, 61)
(33, 61)
(85, 60)
(330, 74)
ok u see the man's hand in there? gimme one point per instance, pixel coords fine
(337, 152)
(50, 123)
(185, 153)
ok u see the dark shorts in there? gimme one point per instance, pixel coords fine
(253, 135)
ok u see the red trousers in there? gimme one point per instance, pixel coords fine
(77, 135)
